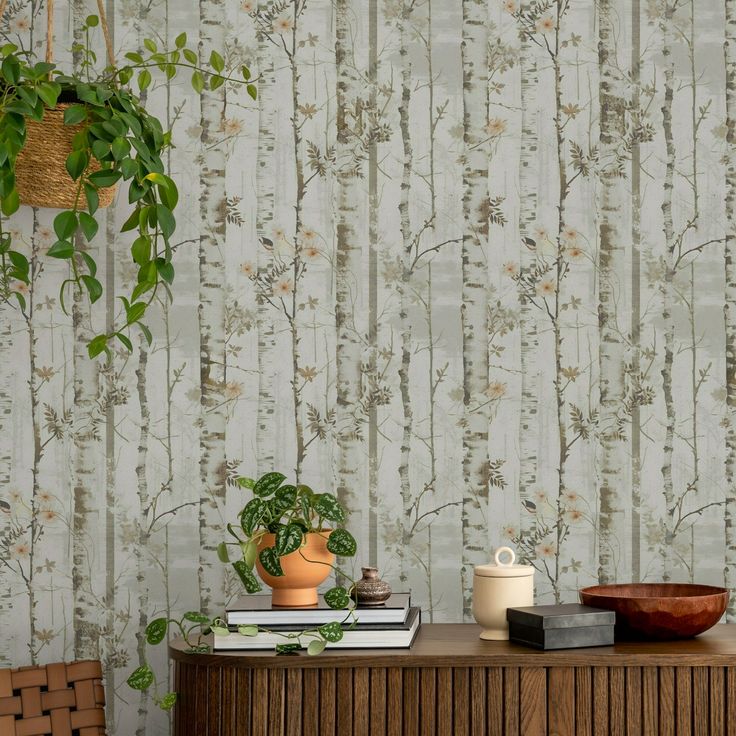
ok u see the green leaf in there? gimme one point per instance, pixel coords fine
(197, 82)
(120, 148)
(328, 507)
(135, 312)
(252, 91)
(216, 81)
(141, 250)
(146, 333)
(19, 261)
(270, 560)
(156, 630)
(247, 630)
(316, 646)
(94, 287)
(144, 79)
(92, 21)
(216, 61)
(166, 220)
(190, 56)
(150, 45)
(165, 270)
(249, 580)
(167, 190)
(252, 515)
(49, 92)
(222, 554)
(132, 222)
(268, 483)
(246, 73)
(61, 249)
(337, 598)
(141, 678)
(167, 702)
(76, 163)
(342, 543)
(288, 539)
(65, 224)
(331, 631)
(88, 224)
(96, 345)
(196, 617)
(290, 648)
(10, 202)
(89, 262)
(125, 340)
(75, 114)
(104, 177)
(246, 482)
(181, 41)
(134, 57)
(93, 199)
(220, 630)
(250, 552)
(11, 69)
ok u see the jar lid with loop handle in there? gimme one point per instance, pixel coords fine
(504, 569)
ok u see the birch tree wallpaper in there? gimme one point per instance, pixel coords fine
(469, 264)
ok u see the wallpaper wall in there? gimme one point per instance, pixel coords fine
(469, 264)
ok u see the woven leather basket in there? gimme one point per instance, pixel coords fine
(56, 700)
(40, 171)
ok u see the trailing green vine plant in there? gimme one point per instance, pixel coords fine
(127, 144)
(290, 512)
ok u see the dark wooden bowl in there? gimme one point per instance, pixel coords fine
(659, 610)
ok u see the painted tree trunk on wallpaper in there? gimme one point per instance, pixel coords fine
(418, 339)
(87, 453)
(729, 307)
(611, 262)
(405, 285)
(373, 326)
(265, 189)
(635, 374)
(528, 354)
(349, 352)
(668, 291)
(212, 319)
(144, 526)
(474, 309)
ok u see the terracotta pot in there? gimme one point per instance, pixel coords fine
(303, 570)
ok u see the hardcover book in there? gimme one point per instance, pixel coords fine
(257, 609)
(364, 636)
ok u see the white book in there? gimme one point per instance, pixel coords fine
(352, 639)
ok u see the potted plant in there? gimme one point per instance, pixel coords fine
(288, 534)
(97, 126)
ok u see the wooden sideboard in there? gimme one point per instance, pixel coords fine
(450, 682)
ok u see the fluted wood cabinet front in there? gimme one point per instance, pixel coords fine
(450, 682)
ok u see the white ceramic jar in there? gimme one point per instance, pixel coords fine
(497, 587)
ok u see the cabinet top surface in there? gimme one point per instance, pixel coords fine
(458, 645)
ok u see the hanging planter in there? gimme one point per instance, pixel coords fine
(41, 176)
(68, 141)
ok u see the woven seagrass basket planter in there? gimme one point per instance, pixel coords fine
(40, 171)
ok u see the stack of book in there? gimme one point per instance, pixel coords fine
(391, 625)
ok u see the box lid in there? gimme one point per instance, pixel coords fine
(564, 616)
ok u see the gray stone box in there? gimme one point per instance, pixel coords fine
(566, 626)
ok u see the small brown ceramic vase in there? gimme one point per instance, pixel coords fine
(370, 590)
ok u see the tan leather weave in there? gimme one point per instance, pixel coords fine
(58, 699)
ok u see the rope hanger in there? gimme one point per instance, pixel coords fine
(50, 29)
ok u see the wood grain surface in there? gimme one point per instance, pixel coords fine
(495, 688)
